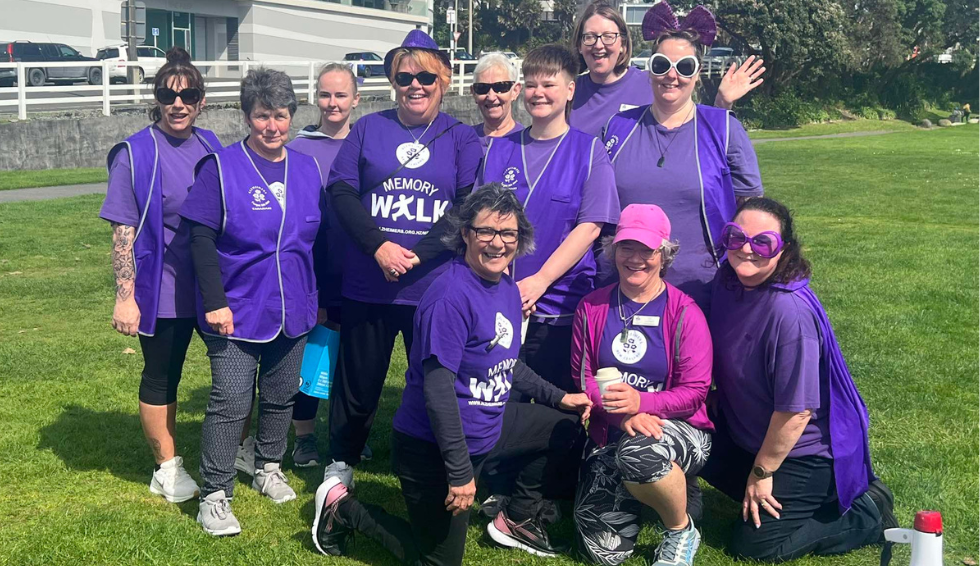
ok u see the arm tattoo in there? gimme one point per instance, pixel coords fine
(122, 260)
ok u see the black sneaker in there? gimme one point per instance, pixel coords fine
(694, 502)
(330, 535)
(528, 535)
(884, 500)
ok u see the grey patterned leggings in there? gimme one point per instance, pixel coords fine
(234, 367)
(607, 517)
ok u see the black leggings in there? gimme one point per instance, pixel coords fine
(533, 439)
(163, 360)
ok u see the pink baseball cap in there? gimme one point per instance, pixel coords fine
(645, 223)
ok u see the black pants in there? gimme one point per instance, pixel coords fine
(809, 521)
(547, 350)
(533, 440)
(163, 359)
(362, 365)
(305, 406)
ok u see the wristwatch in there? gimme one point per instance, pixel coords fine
(761, 473)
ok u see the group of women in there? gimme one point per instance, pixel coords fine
(535, 345)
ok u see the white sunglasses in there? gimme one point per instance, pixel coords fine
(687, 66)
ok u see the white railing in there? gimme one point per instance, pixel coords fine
(222, 80)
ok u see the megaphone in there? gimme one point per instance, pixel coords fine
(926, 538)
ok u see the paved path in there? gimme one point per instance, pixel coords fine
(45, 193)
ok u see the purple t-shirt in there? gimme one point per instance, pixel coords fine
(208, 208)
(459, 316)
(595, 104)
(406, 206)
(766, 359)
(485, 139)
(642, 357)
(177, 160)
(676, 189)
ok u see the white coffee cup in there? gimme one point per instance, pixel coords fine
(606, 377)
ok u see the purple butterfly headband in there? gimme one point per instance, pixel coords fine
(661, 18)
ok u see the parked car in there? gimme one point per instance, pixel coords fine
(461, 55)
(150, 59)
(717, 61)
(508, 54)
(640, 59)
(31, 52)
(369, 64)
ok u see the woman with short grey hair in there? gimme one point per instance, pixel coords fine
(495, 88)
(253, 214)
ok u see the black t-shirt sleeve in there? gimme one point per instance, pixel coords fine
(532, 385)
(204, 254)
(443, 410)
(430, 245)
(354, 218)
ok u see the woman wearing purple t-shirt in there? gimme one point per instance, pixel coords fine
(695, 162)
(649, 431)
(565, 181)
(612, 85)
(792, 430)
(149, 175)
(454, 417)
(396, 175)
(254, 215)
(495, 88)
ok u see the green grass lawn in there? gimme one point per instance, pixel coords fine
(837, 127)
(889, 222)
(51, 177)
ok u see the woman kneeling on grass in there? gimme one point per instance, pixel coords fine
(650, 430)
(792, 429)
(454, 417)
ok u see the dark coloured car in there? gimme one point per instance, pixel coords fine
(31, 52)
(369, 64)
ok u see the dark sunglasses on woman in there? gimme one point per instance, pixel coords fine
(498, 87)
(686, 66)
(166, 95)
(425, 78)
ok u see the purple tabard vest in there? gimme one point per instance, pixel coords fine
(265, 252)
(144, 159)
(552, 206)
(711, 132)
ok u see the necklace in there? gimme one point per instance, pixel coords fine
(409, 130)
(628, 320)
(663, 151)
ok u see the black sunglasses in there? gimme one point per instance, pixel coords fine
(425, 78)
(499, 87)
(169, 96)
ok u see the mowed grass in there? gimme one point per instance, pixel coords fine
(51, 177)
(836, 127)
(890, 223)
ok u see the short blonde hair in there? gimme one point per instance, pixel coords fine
(427, 60)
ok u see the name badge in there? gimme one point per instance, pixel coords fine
(640, 320)
(622, 107)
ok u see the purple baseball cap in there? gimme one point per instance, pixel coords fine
(645, 223)
(417, 39)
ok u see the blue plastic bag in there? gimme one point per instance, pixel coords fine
(319, 362)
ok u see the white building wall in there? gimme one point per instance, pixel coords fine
(86, 25)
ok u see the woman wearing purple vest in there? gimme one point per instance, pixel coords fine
(495, 88)
(792, 430)
(643, 352)
(149, 175)
(395, 177)
(612, 85)
(563, 178)
(454, 417)
(693, 161)
(254, 212)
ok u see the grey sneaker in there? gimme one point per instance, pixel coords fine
(245, 458)
(340, 470)
(678, 547)
(173, 483)
(305, 454)
(271, 481)
(216, 517)
(367, 453)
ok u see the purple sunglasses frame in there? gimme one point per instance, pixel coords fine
(751, 241)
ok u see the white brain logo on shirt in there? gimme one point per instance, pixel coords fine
(632, 350)
(510, 177)
(412, 155)
(505, 330)
(612, 143)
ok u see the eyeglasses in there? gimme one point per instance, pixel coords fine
(166, 95)
(425, 78)
(627, 251)
(608, 38)
(498, 87)
(486, 235)
(686, 66)
(766, 244)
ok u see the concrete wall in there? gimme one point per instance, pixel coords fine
(84, 141)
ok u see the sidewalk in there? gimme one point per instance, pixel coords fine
(46, 193)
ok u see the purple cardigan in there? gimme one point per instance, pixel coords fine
(689, 356)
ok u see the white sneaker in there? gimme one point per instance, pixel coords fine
(215, 516)
(245, 458)
(173, 482)
(271, 481)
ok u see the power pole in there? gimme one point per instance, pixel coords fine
(131, 41)
(469, 31)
